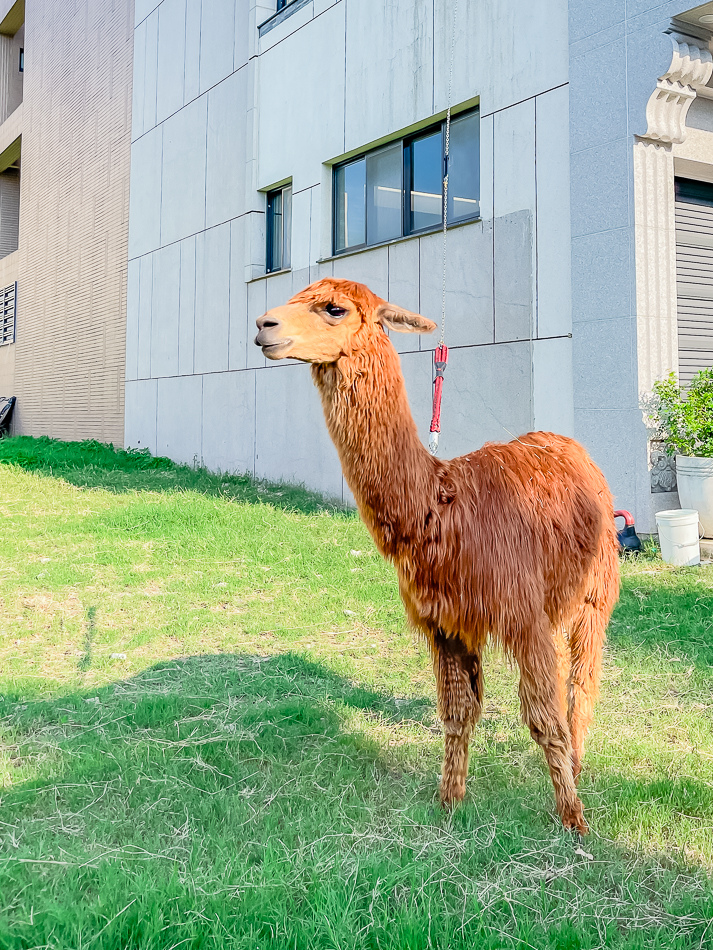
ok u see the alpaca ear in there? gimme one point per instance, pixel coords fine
(405, 321)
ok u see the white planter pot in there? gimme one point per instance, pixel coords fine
(695, 488)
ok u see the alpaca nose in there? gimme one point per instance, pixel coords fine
(267, 321)
(268, 328)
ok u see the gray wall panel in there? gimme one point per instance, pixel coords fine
(228, 422)
(212, 299)
(291, 437)
(225, 168)
(187, 308)
(217, 42)
(183, 172)
(165, 310)
(171, 58)
(179, 415)
(141, 398)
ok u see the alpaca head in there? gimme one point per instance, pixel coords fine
(330, 319)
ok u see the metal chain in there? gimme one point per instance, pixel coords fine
(445, 176)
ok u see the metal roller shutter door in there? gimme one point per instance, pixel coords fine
(694, 276)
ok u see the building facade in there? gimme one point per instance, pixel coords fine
(233, 101)
(641, 121)
(65, 149)
(273, 143)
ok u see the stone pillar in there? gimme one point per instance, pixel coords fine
(655, 242)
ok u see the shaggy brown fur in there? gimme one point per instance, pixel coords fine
(515, 541)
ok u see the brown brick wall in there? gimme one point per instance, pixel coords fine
(74, 202)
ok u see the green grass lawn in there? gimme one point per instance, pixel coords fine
(217, 731)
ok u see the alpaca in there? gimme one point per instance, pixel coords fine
(515, 541)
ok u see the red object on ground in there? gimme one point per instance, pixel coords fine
(441, 361)
(627, 516)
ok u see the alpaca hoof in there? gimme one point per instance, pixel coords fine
(453, 795)
(573, 819)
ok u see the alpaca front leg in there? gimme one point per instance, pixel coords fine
(459, 688)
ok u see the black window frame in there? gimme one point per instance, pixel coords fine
(406, 176)
(269, 226)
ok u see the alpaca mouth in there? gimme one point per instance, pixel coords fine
(272, 350)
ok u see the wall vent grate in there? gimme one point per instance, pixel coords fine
(8, 312)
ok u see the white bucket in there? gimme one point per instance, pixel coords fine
(695, 488)
(678, 534)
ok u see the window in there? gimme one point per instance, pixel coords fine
(398, 189)
(424, 157)
(22, 60)
(8, 296)
(279, 228)
(283, 10)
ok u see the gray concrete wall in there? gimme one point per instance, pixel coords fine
(220, 115)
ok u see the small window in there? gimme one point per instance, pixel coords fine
(350, 205)
(22, 60)
(279, 228)
(384, 171)
(398, 190)
(281, 4)
(425, 159)
(463, 172)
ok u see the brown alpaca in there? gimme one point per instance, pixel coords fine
(515, 540)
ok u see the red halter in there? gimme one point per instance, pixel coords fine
(441, 361)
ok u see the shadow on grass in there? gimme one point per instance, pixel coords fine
(234, 800)
(276, 709)
(94, 464)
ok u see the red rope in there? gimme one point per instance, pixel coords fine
(441, 361)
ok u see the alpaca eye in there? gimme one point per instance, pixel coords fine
(335, 311)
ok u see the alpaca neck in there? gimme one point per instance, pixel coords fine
(387, 468)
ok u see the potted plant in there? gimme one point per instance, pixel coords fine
(683, 419)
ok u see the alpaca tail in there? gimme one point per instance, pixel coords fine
(587, 633)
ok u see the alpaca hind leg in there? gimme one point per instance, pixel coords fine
(563, 664)
(586, 641)
(542, 702)
(459, 688)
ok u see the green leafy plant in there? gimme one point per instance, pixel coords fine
(683, 418)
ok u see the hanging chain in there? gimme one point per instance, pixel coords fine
(445, 225)
(441, 354)
(445, 172)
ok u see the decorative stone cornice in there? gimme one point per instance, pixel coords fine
(691, 67)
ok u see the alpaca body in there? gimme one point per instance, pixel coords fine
(515, 541)
(483, 544)
(509, 543)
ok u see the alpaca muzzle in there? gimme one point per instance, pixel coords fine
(269, 337)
